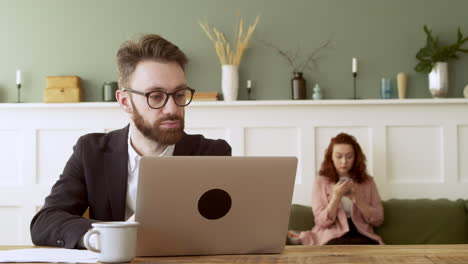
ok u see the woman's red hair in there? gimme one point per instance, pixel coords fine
(359, 170)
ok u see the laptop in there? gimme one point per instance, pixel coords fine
(213, 205)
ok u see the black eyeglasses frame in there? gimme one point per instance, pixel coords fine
(147, 95)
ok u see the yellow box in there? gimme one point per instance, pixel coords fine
(63, 81)
(63, 89)
(63, 95)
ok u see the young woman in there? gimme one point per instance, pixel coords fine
(345, 200)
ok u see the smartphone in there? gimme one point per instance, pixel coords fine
(344, 179)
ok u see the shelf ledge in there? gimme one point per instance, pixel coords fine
(252, 103)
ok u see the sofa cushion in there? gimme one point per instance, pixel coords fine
(466, 213)
(407, 221)
(424, 221)
(301, 218)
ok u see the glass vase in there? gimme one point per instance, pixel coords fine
(438, 80)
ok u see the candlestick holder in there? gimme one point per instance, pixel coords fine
(249, 89)
(354, 85)
(18, 86)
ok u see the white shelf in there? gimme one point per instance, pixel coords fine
(259, 103)
(332, 102)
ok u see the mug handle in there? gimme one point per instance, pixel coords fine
(86, 240)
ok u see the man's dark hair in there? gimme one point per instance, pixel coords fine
(148, 47)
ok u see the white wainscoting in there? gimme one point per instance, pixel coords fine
(415, 148)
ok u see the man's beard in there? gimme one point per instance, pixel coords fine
(154, 132)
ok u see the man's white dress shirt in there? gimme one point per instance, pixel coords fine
(132, 183)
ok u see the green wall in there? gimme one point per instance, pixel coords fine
(65, 37)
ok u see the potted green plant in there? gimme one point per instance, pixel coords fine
(433, 60)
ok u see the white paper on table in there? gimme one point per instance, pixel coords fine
(48, 255)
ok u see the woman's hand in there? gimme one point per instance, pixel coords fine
(339, 189)
(342, 188)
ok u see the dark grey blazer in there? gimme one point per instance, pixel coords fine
(95, 176)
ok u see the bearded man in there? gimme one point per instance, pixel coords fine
(102, 173)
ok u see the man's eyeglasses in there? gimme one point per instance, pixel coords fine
(158, 99)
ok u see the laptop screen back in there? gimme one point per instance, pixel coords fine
(213, 205)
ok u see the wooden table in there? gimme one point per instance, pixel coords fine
(401, 254)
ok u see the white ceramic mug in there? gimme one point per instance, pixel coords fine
(116, 240)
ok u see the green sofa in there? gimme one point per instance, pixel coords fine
(407, 221)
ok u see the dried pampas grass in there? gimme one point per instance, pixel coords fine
(228, 54)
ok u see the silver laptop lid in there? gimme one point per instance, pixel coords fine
(213, 205)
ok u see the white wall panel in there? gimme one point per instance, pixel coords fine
(11, 226)
(10, 144)
(463, 153)
(54, 148)
(274, 141)
(271, 141)
(415, 154)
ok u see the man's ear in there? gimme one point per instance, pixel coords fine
(124, 100)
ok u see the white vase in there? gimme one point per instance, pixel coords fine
(438, 80)
(230, 82)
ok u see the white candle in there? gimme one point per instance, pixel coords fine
(18, 76)
(249, 84)
(354, 65)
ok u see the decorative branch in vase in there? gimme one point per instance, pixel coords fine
(433, 60)
(229, 55)
(298, 66)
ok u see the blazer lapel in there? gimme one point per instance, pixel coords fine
(115, 161)
(116, 168)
